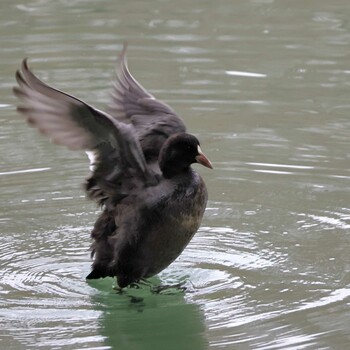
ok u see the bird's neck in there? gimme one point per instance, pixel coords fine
(170, 169)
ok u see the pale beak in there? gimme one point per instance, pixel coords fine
(202, 159)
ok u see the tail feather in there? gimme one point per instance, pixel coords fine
(95, 274)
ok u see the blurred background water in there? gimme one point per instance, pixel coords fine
(265, 85)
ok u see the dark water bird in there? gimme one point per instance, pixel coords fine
(152, 200)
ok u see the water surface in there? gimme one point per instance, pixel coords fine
(265, 86)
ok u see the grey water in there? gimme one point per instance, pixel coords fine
(265, 85)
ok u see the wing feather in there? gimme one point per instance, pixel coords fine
(131, 103)
(75, 124)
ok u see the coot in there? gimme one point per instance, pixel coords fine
(152, 200)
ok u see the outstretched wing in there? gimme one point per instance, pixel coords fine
(73, 123)
(153, 120)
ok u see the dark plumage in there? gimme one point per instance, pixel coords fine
(152, 200)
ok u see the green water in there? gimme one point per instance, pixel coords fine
(265, 85)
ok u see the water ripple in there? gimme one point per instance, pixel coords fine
(269, 268)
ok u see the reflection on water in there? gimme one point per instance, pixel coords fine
(265, 86)
(137, 320)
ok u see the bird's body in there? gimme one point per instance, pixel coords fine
(145, 234)
(152, 200)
